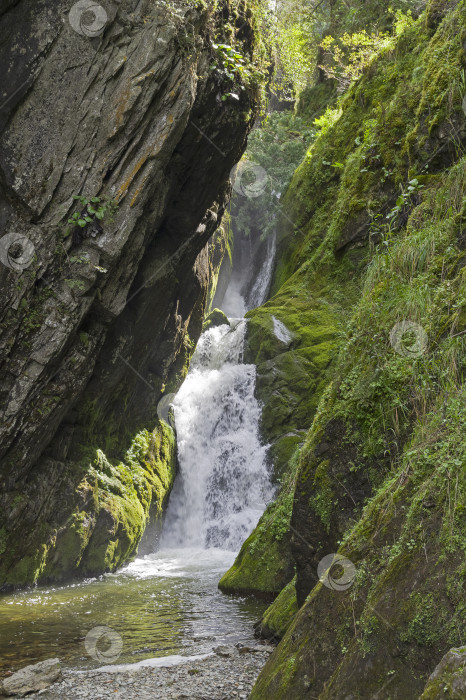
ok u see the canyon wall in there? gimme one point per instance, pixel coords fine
(120, 104)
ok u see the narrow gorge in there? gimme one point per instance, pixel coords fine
(232, 349)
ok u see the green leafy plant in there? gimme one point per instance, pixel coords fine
(405, 198)
(234, 67)
(93, 209)
(348, 55)
(278, 147)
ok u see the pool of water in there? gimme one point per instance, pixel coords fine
(161, 605)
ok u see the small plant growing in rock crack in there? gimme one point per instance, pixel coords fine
(233, 65)
(86, 223)
(396, 217)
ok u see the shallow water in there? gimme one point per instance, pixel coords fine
(165, 604)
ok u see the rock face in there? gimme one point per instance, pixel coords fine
(119, 105)
(32, 678)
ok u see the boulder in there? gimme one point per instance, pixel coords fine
(215, 318)
(32, 678)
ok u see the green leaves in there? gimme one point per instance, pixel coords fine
(89, 212)
(405, 197)
(233, 66)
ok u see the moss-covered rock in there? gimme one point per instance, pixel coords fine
(220, 262)
(110, 510)
(449, 677)
(215, 318)
(262, 566)
(279, 616)
(405, 605)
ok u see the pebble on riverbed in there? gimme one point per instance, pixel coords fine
(228, 674)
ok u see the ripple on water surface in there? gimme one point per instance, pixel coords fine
(165, 604)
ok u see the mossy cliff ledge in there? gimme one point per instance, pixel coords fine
(99, 319)
(381, 477)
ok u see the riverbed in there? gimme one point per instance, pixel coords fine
(162, 605)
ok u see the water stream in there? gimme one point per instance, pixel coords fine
(167, 604)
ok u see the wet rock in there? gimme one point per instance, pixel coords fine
(225, 651)
(96, 325)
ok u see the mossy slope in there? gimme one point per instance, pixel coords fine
(113, 504)
(279, 616)
(382, 474)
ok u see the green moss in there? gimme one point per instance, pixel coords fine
(29, 569)
(278, 616)
(324, 499)
(449, 678)
(114, 502)
(215, 318)
(389, 491)
(261, 568)
(2, 540)
(220, 254)
(129, 493)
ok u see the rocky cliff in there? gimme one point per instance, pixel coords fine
(119, 132)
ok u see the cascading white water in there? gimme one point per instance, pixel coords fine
(223, 483)
(166, 604)
(261, 286)
(235, 304)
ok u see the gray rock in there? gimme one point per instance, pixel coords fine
(33, 678)
(225, 651)
(216, 678)
(449, 678)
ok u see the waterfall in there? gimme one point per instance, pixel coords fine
(260, 288)
(223, 483)
(246, 290)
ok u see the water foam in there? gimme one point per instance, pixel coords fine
(223, 483)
